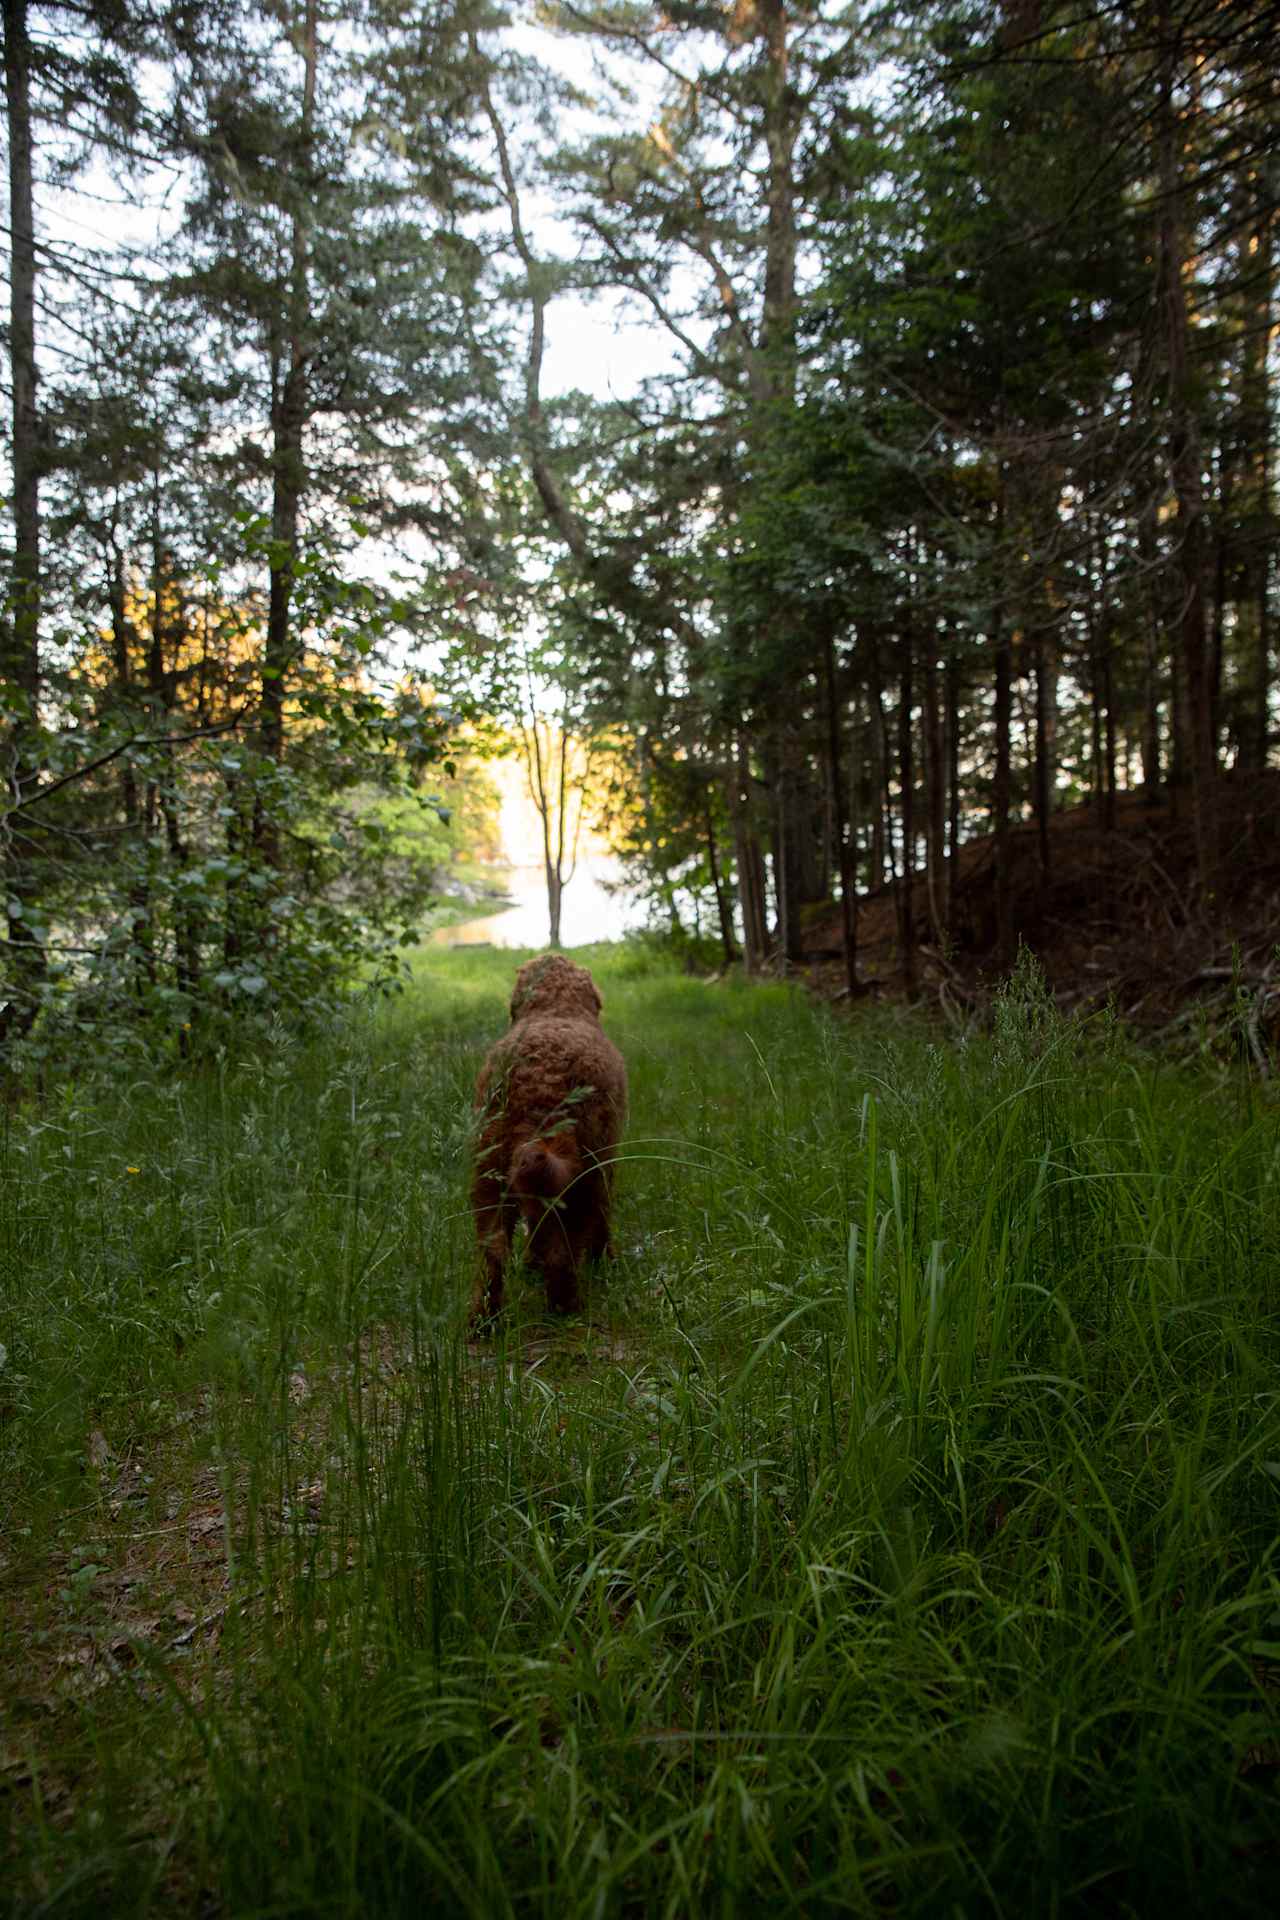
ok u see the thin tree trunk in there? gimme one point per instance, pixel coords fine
(539, 771)
(20, 630)
(1222, 557)
(290, 411)
(844, 852)
(20, 635)
(1185, 469)
(1151, 654)
(952, 685)
(1046, 728)
(1002, 787)
(876, 757)
(750, 865)
(1097, 770)
(121, 635)
(936, 797)
(907, 781)
(781, 867)
(1109, 708)
(1000, 796)
(724, 910)
(1256, 430)
(886, 795)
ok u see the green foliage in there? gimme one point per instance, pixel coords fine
(243, 889)
(900, 1519)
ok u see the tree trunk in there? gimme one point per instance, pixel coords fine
(782, 893)
(543, 770)
(555, 900)
(1001, 792)
(780, 126)
(1046, 732)
(724, 910)
(290, 406)
(20, 631)
(123, 636)
(1185, 470)
(936, 796)
(844, 852)
(952, 684)
(1109, 709)
(876, 760)
(750, 865)
(907, 782)
(1256, 435)
(20, 636)
(1151, 657)
(1222, 558)
(1002, 785)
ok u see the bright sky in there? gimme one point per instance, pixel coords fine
(600, 347)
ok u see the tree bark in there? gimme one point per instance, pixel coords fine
(907, 783)
(1256, 433)
(844, 852)
(123, 639)
(1186, 470)
(936, 796)
(1002, 786)
(20, 663)
(876, 760)
(547, 766)
(1046, 731)
(751, 889)
(778, 330)
(724, 910)
(1109, 709)
(290, 407)
(122, 635)
(784, 936)
(20, 624)
(1152, 652)
(952, 685)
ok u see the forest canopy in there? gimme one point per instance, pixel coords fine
(949, 504)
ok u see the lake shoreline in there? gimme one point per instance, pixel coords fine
(596, 906)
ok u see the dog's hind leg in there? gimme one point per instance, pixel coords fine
(597, 1215)
(495, 1217)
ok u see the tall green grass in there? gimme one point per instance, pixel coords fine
(896, 1532)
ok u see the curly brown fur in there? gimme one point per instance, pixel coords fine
(552, 1099)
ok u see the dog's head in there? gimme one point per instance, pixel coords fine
(553, 984)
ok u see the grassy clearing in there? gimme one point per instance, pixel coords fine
(897, 1532)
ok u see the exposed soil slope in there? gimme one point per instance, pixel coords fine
(1117, 916)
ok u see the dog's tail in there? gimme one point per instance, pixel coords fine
(543, 1169)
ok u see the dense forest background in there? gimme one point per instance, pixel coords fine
(952, 510)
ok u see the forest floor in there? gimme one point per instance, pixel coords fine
(895, 1532)
(1116, 920)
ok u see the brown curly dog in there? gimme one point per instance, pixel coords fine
(552, 1101)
